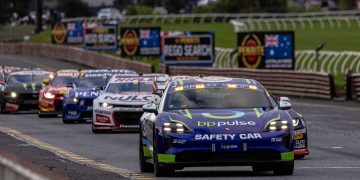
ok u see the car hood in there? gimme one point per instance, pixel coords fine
(223, 120)
(129, 98)
(24, 88)
(58, 89)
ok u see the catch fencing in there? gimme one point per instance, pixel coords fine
(332, 62)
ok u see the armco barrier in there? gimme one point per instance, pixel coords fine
(356, 85)
(278, 82)
(72, 54)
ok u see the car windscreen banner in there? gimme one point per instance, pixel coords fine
(188, 48)
(266, 50)
(140, 41)
(74, 32)
(100, 37)
(58, 33)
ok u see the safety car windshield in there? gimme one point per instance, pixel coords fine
(217, 97)
(135, 86)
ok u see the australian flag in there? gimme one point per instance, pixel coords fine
(278, 46)
(149, 37)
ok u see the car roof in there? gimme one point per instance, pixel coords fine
(109, 71)
(27, 72)
(121, 78)
(217, 81)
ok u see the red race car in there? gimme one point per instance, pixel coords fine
(51, 97)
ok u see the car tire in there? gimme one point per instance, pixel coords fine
(299, 156)
(67, 121)
(2, 108)
(160, 170)
(284, 169)
(145, 167)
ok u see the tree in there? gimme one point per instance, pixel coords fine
(74, 8)
(174, 6)
(10, 6)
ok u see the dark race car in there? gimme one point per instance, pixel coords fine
(21, 91)
(216, 121)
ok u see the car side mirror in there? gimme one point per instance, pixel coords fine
(150, 108)
(70, 85)
(285, 103)
(159, 92)
(46, 81)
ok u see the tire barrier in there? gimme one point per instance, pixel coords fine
(72, 54)
(355, 86)
(278, 82)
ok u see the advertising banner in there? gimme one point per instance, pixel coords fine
(188, 48)
(140, 41)
(74, 32)
(58, 33)
(266, 50)
(101, 37)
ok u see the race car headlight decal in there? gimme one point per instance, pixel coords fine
(13, 94)
(174, 127)
(277, 126)
(49, 95)
(295, 122)
(106, 105)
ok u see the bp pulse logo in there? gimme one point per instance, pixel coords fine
(59, 33)
(250, 51)
(130, 42)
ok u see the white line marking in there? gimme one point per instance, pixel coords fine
(329, 167)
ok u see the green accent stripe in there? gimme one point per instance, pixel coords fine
(273, 119)
(147, 152)
(176, 121)
(25, 86)
(287, 156)
(181, 82)
(164, 158)
(188, 114)
(33, 86)
(258, 113)
(248, 81)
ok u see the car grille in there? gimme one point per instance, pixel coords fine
(28, 96)
(251, 155)
(127, 106)
(127, 118)
(58, 105)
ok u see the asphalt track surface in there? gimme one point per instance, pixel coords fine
(334, 140)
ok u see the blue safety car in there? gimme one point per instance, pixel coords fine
(216, 121)
(78, 102)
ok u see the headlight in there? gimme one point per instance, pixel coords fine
(295, 122)
(277, 126)
(173, 127)
(13, 94)
(106, 105)
(72, 100)
(49, 95)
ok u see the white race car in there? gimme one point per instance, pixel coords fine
(120, 106)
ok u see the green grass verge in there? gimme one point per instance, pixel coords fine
(12, 33)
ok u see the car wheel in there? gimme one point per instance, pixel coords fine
(145, 167)
(299, 156)
(2, 108)
(160, 170)
(67, 121)
(284, 169)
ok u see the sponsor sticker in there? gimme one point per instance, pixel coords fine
(225, 123)
(221, 137)
(300, 144)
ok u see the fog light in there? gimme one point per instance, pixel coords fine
(13, 94)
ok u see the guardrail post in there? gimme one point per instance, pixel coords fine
(349, 85)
